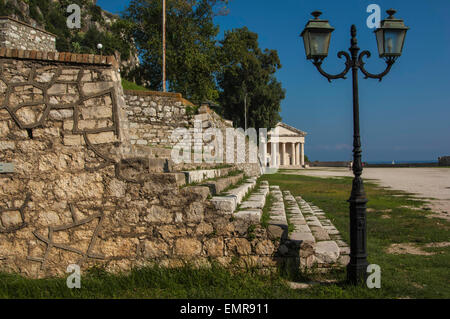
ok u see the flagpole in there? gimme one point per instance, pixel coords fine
(164, 46)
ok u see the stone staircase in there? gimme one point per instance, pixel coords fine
(299, 225)
(251, 209)
(321, 244)
(229, 202)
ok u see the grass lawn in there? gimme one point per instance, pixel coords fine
(128, 85)
(402, 276)
(414, 276)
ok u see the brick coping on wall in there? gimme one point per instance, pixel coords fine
(58, 57)
(27, 25)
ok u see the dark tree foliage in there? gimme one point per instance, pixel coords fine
(191, 46)
(248, 72)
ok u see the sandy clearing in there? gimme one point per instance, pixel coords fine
(430, 183)
(414, 249)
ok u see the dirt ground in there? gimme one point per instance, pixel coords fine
(429, 183)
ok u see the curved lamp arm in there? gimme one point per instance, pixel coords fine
(389, 61)
(348, 65)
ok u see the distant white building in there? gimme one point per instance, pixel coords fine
(286, 147)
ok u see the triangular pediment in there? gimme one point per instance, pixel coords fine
(283, 129)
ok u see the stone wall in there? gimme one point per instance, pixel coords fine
(154, 115)
(15, 34)
(77, 195)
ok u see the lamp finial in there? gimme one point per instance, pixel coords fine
(316, 14)
(391, 13)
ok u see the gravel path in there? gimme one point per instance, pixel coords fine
(430, 183)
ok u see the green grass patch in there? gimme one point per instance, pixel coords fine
(128, 85)
(265, 217)
(152, 282)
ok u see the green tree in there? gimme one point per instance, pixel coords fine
(191, 46)
(249, 73)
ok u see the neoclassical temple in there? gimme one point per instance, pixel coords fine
(286, 147)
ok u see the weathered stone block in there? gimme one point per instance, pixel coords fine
(11, 219)
(101, 138)
(240, 246)
(96, 87)
(4, 129)
(214, 247)
(319, 233)
(155, 249)
(158, 214)
(264, 247)
(7, 145)
(225, 204)
(250, 216)
(73, 140)
(327, 252)
(187, 247)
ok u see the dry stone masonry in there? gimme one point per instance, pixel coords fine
(15, 34)
(78, 195)
(81, 181)
(154, 115)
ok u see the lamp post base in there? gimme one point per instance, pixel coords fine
(357, 273)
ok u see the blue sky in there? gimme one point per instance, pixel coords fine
(404, 117)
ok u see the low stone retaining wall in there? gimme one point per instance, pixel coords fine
(15, 34)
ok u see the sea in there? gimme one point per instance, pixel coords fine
(401, 162)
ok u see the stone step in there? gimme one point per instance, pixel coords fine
(228, 203)
(301, 232)
(251, 210)
(278, 225)
(198, 176)
(313, 234)
(218, 186)
(324, 231)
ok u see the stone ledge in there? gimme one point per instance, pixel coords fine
(64, 57)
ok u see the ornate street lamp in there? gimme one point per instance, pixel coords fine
(390, 39)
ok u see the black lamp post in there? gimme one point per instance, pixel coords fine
(390, 38)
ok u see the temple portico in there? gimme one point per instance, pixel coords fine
(286, 147)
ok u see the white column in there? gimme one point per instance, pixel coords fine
(297, 154)
(293, 154)
(283, 154)
(302, 154)
(273, 153)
